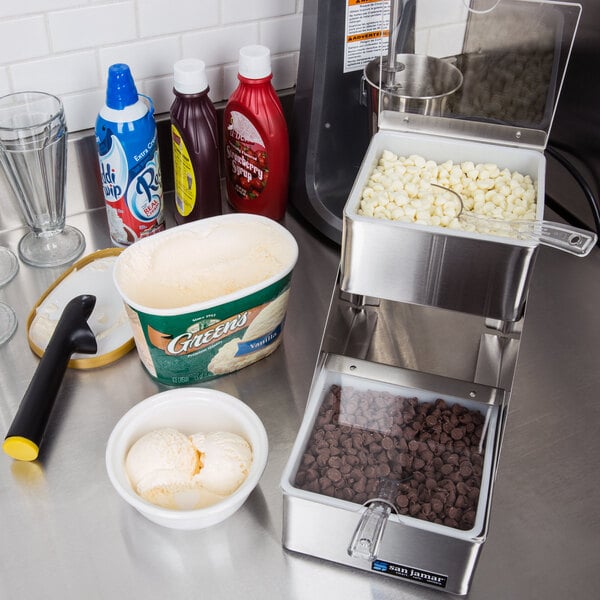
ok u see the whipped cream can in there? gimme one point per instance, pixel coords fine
(129, 160)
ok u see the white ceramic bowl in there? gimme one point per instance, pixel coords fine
(189, 410)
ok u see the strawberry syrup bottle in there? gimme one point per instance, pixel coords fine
(255, 139)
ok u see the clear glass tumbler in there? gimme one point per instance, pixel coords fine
(33, 154)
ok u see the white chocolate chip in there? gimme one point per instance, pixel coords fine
(399, 189)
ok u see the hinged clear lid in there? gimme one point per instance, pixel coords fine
(488, 70)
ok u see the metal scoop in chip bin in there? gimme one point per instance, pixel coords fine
(549, 233)
(369, 532)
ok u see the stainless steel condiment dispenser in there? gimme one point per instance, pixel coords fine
(393, 468)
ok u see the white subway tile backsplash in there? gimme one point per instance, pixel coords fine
(160, 89)
(234, 11)
(160, 17)
(281, 35)
(21, 39)
(216, 91)
(92, 26)
(433, 12)
(440, 27)
(57, 75)
(285, 70)
(447, 40)
(230, 80)
(82, 109)
(15, 8)
(66, 46)
(219, 46)
(147, 58)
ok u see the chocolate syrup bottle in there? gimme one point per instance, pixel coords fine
(195, 141)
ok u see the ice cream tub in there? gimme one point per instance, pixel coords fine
(209, 297)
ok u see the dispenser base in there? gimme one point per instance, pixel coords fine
(407, 554)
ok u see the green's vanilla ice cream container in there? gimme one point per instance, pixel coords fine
(209, 297)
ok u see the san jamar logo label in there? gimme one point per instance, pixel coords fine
(193, 340)
(405, 572)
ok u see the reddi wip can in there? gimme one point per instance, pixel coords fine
(129, 160)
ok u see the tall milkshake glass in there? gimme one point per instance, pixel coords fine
(33, 154)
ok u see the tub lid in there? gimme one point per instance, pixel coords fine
(512, 55)
(93, 274)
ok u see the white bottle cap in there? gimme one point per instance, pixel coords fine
(189, 76)
(255, 62)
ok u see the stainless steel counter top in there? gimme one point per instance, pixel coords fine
(67, 535)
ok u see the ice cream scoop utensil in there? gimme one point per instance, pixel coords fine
(72, 334)
(556, 235)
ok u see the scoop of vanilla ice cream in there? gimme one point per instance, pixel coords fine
(226, 459)
(163, 459)
(220, 259)
(173, 470)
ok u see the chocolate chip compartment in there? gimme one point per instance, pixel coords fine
(366, 423)
(433, 450)
(392, 471)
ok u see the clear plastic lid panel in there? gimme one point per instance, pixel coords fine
(496, 64)
(513, 62)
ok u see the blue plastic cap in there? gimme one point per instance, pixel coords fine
(120, 90)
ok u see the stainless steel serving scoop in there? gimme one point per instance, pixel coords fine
(549, 233)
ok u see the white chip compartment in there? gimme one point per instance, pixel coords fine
(435, 266)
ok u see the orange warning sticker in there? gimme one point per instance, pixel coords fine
(367, 35)
(367, 32)
(357, 2)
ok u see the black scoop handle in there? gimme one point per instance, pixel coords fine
(72, 334)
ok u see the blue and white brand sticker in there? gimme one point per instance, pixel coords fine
(144, 193)
(253, 345)
(410, 573)
(114, 171)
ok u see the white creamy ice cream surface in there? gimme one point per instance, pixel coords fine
(161, 463)
(191, 266)
(226, 460)
(176, 471)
